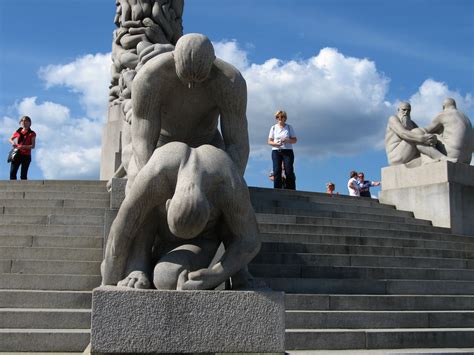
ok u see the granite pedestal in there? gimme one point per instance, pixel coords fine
(126, 320)
(442, 192)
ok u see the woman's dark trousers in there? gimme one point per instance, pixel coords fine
(286, 157)
(24, 161)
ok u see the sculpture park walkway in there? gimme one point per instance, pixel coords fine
(358, 274)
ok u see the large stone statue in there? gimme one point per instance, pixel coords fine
(448, 138)
(454, 132)
(180, 95)
(183, 204)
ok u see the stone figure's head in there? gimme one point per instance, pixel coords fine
(404, 109)
(449, 103)
(188, 211)
(193, 56)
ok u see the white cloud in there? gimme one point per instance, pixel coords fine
(428, 100)
(335, 103)
(66, 147)
(89, 76)
(230, 52)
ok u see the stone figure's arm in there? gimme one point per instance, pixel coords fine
(407, 135)
(436, 126)
(146, 122)
(241, 244)
(134, 211)
(234, 122)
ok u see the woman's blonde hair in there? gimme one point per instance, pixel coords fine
(25, 118)
(281, 113)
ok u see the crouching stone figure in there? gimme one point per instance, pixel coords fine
(182, 205)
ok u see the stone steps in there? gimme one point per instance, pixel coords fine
(44, 340)
(54, 202)
(47, 241)
(370, 286)
(51, 253)
(351, 272)
(44, 318)
(52, 230)
(61, 282)
(368, 250)
(14, 298)
(316, 319)
(297, 339)
(315, 259)
(358, 231)
(308, 212)
(51, 246)
(335, 239)
(379, 277)
(7, 219)
(378, 302)
(46, 267)
(265, 218)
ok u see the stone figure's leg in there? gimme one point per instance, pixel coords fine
(139, 264)
(172, 270)
(403, 153)
(276, 159)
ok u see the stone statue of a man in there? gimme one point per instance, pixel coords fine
(183, 204)
(180, 95)
(454, 133)
(449, 137)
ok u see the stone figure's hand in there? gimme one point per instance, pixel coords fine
(136, 279)
(204, 279)
(109, 185)
(430, 139)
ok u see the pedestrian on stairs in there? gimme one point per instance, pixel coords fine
(25, 142)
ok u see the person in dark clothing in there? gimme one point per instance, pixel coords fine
(364, 185)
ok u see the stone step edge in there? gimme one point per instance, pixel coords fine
(378, 330)
(369, 228)
(364, 255)
(52, 330)
(360, 267)
(469, 253)
(46, 310)
(329, 235)
(379, 311)
(442, 230)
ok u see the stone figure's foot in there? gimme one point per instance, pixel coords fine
(204, 279)
(136, 279)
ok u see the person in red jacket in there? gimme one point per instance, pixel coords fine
(25, 142)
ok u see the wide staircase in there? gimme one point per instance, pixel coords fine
(51, 242)
(358, 274)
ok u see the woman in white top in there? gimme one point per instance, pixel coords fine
(281, 138)
(353, 184)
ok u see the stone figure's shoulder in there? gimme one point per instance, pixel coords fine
(226, 72)
(161, 64)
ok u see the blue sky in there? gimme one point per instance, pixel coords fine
(338, 67)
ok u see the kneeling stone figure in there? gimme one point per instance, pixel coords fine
(182, 205)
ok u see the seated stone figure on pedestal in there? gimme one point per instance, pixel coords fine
(448, 138)
(183, 204)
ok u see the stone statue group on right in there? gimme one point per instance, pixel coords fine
(449, 137)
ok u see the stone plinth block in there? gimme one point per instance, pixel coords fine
(117, 194)
(442, 192)
(149, 321)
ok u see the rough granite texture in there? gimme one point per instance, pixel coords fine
(128, 320)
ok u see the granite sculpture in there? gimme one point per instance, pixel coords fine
(182, 96)
(145, 29)
(448, 138)
(185, 191)
(182, 205)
